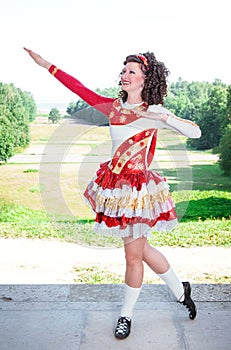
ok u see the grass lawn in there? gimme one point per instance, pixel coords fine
(45, 199)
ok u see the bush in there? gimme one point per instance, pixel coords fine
(54, 115)
(6, 140)
(225, 152)
(17, 108)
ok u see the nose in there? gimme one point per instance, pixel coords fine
(124, 75)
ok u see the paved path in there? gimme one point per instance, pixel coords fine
(82, 317)
(67, 316)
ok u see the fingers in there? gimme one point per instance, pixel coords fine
(27, 50)
(32, 54)
(141, 113)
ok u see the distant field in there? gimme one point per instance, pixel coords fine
(50, 177)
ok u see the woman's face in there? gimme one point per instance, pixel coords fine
(132, 77)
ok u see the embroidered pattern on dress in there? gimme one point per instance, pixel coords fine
(131, 153)
(121, 116)
(128, 202)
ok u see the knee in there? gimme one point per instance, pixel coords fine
(133, 258)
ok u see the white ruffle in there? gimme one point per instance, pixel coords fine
(135, 230)
(130, 194)
(151, 188)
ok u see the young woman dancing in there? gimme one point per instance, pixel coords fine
(128, 199)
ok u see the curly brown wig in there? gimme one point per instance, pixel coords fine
(155, 85)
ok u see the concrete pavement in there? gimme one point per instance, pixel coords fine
(82, 317)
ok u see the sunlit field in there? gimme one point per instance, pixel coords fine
(42, 188)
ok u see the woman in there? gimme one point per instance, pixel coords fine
(128, 199)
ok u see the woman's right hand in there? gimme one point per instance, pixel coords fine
(38, 59)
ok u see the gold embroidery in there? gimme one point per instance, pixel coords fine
(123, 119)
(120, 111)
(135, 148)
(54, 71)
(138, 166)
(127, 202)
(126, 111)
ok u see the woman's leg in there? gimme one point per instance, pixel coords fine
(155, 259)
(134, 262)
(159, 264)
(133, 275)
(133, 280)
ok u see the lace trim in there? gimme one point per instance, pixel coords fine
(136, 230)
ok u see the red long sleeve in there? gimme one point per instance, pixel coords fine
(101, 103)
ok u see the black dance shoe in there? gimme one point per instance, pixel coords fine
(188, 302)
(123, 328)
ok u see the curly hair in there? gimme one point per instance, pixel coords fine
(155, 85)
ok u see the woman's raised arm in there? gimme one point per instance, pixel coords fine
(99, 102)
(38, 59)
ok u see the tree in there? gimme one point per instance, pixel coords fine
(75, 107)
(81, 110)
(185, 99)
(225, 152)
(54, 115)
(109, 92)
(228, 111)
(225, 144)
(214, 120)
(14, 116)
(29, 104)
(6, 140)
(71, 108)
(205, 104)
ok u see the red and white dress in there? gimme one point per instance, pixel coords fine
(127, 198)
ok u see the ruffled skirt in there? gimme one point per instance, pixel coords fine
(130, 204)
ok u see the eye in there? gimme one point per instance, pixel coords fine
(132, 72)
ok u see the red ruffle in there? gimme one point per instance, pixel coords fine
(123, 221)
(105, 178)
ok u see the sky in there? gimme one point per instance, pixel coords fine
(90, 39)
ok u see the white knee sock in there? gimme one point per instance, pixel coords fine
(130, 297)
(176, 286)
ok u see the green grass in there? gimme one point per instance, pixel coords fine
(13, 213)
(37, 225)
(204, 218)
(94, 274)
(30, 170)
(201, 205)
(209, 278)
(204, 177)
(202, 196)
(196, 234)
